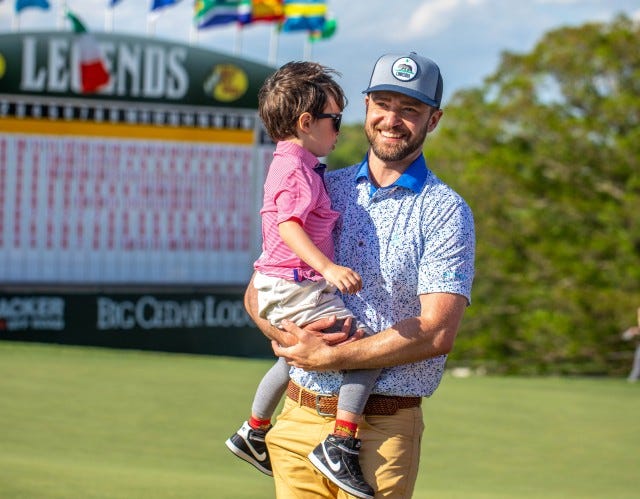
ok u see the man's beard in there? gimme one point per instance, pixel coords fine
(398, 151)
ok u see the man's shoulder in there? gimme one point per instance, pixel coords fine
(441, 192)
(341, 179)
(342, 173)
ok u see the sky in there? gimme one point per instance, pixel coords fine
(464, 37)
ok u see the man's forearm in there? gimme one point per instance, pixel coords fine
(414, 339)
(408, 341)
(411, 340)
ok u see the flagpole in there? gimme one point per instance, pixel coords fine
(273, 44)
(108, 19)
(238, 44)
(15, 22)
(307, 49)
(151, 24)
(193, 34)
(62, 10)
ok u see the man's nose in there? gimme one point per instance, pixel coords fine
(392, 117)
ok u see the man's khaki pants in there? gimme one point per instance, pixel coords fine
(389, 456)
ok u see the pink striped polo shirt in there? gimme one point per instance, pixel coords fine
(294, 191)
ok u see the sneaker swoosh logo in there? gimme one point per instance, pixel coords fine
(260, 456)
(334, 466)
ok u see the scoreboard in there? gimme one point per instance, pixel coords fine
(154, 180)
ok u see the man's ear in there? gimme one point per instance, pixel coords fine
(434, 119)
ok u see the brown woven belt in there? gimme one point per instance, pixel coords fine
(326, 405)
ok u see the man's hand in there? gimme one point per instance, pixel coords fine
(331, 330)
(309, 349)
(312, 347)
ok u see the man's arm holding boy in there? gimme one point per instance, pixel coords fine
(430, 334)
(283, 337)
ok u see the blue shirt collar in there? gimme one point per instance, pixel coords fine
(413, 178)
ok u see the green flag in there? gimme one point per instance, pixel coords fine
(328, 29)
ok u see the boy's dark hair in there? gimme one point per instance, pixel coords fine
(296, 88)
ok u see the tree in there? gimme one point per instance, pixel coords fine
(547, 152)
(351, 147)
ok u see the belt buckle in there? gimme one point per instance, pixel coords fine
(320, 413)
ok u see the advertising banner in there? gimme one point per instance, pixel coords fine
(203, 322)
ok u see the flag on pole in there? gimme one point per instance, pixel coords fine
(159, 4)
(307, 15)
(156, 7)
(108, 14)
(25, 4)
(216, 12)
(267, 10)
(328, 30)
(93, 72)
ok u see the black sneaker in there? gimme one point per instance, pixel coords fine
(337, 459)
(248, 444)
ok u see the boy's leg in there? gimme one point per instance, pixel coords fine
(248, 443)
(337, 457)
(356, 388)
(270, 390)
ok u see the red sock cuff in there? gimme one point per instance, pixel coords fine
(259, 424)
(345, 428)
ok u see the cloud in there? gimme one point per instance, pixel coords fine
(556, 1)
(435, 16)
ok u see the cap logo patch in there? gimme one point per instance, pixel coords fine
(405, 69)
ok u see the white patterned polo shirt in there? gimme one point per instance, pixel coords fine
(413, 237)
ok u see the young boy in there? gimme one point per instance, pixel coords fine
(300, 106)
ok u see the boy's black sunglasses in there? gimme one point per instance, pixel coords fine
(336, 117)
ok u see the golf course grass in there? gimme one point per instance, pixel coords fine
(85, 423)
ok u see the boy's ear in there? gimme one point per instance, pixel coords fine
(304, 122)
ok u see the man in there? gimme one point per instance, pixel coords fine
(633, 334)
(411, 238)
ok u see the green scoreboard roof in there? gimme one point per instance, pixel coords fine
(141, 69)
